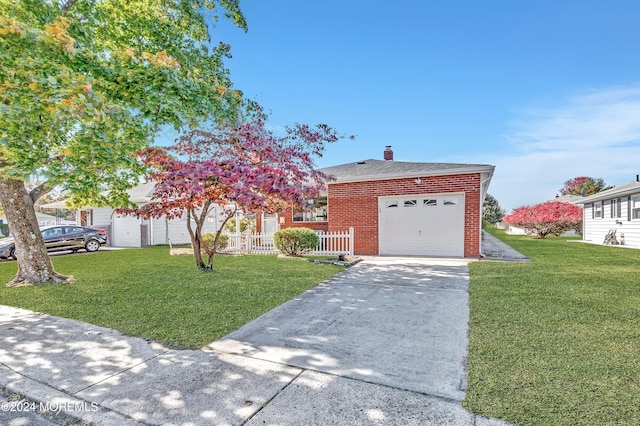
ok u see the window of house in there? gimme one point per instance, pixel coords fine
(597, 210)
(635, 207)
(429, 202)
(616, 208)
(450, 202)
(410, 203)
(391, 203)
(312, 210)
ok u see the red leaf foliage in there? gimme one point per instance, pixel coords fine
(551, 217)
(244, 167)
(572, 186)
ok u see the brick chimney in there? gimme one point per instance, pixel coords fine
(388, 154)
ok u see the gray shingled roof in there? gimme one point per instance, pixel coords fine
(389, 169)
(573, 199)
(142, 193)
(618, 191)
(139, 194)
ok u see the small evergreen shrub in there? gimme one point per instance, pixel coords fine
(295, 241)
(4, 230)
(208, 239)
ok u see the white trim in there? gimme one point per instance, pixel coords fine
(416, 174)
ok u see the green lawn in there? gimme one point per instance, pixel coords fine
(148, 293)
(556, 341)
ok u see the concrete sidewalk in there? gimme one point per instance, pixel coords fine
(384, 342)
(495, 249)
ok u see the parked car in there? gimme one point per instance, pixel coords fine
(60, 238)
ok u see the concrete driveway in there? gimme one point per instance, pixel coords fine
(398, 322)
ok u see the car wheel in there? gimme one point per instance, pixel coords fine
(92, 245)
(13, 254)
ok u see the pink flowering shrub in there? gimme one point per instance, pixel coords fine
(551, 217)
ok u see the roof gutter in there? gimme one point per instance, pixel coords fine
(600, 197)
(465, 171)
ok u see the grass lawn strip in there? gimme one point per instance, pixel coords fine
(556, 341)
(148, 293)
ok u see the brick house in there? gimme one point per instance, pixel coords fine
(398, 208)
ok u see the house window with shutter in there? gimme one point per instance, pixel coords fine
(635, 207)
(597, 210)
(616, 208)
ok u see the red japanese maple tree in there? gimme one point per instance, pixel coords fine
(244, 167)
(551, 217)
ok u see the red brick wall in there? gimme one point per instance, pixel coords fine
(356, 205)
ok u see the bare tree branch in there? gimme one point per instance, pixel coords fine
(66, 6)
(39, 191)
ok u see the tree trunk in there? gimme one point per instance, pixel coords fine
(34, 265)
(215, 241)
(196, 238)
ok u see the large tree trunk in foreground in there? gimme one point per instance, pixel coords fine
(34, 265)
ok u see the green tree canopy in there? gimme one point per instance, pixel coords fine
(584, 185)
(85, 84)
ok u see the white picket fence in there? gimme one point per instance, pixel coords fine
(331, 243)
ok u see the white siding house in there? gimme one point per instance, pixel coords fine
(614, 209)
(44, 220)
(130, 231)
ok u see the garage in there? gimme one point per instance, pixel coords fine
(422, 225)
(377, 198)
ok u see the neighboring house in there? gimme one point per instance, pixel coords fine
(399, 208)
(130, 231)
(614, 209)
(45, 220)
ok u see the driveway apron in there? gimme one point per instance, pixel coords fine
(397, 322)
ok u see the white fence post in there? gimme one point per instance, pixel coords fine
(351, 240)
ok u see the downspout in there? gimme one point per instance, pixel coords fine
(166, 229)
(484, 186)
(150, 232)
(113, 211)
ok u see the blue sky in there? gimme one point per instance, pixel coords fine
(544, 90)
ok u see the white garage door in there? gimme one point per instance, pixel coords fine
(427, 225)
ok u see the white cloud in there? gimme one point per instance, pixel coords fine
(594, 134)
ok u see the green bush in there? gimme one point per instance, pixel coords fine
(4, 230)
(295, 241)
(245, 223)
(209, 238)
